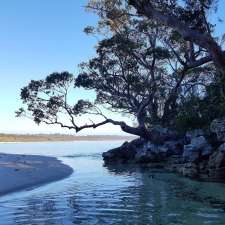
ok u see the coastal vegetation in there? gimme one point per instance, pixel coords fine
(135, 134)
(144, 67)
(159, 62)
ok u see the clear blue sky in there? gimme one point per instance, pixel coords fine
(38, 37)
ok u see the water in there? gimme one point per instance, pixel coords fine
(95, 194)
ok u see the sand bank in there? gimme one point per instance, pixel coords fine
(19, 172)
(18, 138)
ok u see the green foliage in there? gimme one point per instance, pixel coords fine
(199, 113)
(191, 116)
(82, 107)
(46, 98)
(141, 68)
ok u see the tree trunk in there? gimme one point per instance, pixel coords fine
(201, 39)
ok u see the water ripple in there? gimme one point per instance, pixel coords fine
(115, 195)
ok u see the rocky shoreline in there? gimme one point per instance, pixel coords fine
(198, 154)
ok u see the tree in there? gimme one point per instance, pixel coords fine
(137, 71)
(190, 22)
(116, 13)
(188, 18)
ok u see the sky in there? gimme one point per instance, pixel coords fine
(37, 38)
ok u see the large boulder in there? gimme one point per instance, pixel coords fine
(217, 160)
(174, 147)
(199, 142)
(190, 153)
(194, 133)
(144, 156)
(161, 134)
(197, 148)
(151, 153)
(218, 127)
(144, 151)
(206, 151)
(222, 148)
(189, 170)
(216, 166)
(124, 153)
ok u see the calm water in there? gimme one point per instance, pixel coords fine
(94, 194)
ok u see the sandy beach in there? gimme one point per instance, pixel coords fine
(18, 172)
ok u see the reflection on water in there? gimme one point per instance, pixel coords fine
(124, 195)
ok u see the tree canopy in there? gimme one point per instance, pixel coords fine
(146, 66)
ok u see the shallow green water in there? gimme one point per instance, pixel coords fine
(95, 194)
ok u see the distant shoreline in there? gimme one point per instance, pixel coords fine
(20, 138)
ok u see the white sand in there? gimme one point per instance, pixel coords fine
(19, 172)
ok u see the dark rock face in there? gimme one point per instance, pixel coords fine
(143, 151)
(193, 155)
(216, 166)
(218, 127)
(151, 153)
(161, 134)
(193, 134)
(124, 153)
(197, 148)
(222, 148)
(189, 170)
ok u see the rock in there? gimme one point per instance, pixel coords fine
(161, 134)
(206, 151)
(222, 148)
(189, 170)
(216, 166)
(197, 148)
(193, 134)
(190, 153)
(124, 153)
(121, 154)
(174, 147)
(144, 156)
(218, 127)
(199, 142)
(151, 153)
(217, 160)
(162, 131)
